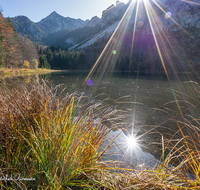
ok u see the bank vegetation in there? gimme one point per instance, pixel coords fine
(52, 141)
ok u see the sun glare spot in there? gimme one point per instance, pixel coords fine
(89, 82)
(114, 52)
(140, 23)
(168, 14)
(131, 142)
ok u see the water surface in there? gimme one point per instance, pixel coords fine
(151, 104)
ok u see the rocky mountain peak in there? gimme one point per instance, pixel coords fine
(54, 13)
(94, 20)
(55, 22)
(113, 13)
(52, 16)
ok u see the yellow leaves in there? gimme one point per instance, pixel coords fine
(35, 64)
(26, 64)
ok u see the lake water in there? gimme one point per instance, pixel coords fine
(151, 104)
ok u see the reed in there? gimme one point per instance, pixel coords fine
(55, 140)
(49, 138)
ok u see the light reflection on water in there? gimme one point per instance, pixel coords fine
(144, 100)
(133, 156)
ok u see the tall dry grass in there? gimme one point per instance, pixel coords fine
(55, 141)
(50, 138)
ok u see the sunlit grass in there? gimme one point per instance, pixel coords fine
(47, 139)
(56, 141)
(5, 72)
(50, 139)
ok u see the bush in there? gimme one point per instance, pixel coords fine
(26, 64)
(35, 63)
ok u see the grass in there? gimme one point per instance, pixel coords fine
(55, 139)
(5, 72)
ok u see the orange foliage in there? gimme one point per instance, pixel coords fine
(9, 42)
(13, 48)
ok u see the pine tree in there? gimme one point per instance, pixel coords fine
(49, 56)
(43, 61)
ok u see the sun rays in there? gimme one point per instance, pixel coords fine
(111, 53)
(154, 15)
(192, 2)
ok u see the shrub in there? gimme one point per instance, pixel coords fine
(35, 63)
(26, 64)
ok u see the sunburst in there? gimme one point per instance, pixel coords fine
(166, 48)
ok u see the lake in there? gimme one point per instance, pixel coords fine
(152, 104)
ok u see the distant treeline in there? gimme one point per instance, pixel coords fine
(17, 51)
(59, 58)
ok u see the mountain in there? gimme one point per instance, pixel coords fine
(65, 31)
(104, 33)
(54, 23)
(113, 13)
(185, 18)
(177, 32)
(96, 28)
(173, 24)
(26, 27)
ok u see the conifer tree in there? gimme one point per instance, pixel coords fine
(43, 61)
(49, 56)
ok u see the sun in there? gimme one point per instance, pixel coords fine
(131, 142)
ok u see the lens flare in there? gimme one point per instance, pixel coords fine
(140, 23)
(114, 52)
(168, 15)
(89, 82)
(131, 142)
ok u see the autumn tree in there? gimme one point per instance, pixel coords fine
(26, 64)
(1, 40)
(14, 49)
(29, 50)
(35, 63)
(10, 49)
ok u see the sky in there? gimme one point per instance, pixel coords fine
(36, 10)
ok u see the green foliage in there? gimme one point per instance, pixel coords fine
(49, 56)
(62, 59)
(1, 37)
(44, 63)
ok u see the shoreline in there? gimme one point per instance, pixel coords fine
(5, 72)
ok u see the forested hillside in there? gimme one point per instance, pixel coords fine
(59, 58)
(16, 51)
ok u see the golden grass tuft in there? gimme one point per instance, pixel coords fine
(55, 140)
(52, 139)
